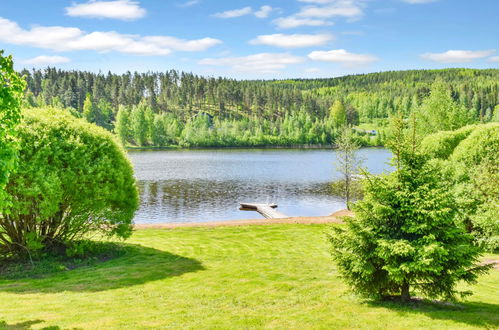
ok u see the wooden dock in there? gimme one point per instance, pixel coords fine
(267, 210)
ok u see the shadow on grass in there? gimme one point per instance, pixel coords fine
(24, 325)
(471, 313)
(136, 265)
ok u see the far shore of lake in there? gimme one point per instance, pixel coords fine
(294, 146)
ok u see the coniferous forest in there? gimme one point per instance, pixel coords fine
(175, 108)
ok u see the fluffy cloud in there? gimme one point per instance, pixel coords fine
(118, 9)
(258, 63)
(293, 22)
(43, 59)
(494, 59)
(318, 12)
(181, 44)
(342, 56)
(344, 8)
(457, 56)
(263, 12)
(189, 3)
(292, 40)
(60, 38)
(234, 13)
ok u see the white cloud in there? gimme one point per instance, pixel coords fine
(44, 59)
(189, 3)
(258, 63)
(457, 56)
(60, 38)
(344, 8)
(293, 22)
(292, 40)
(264, 12)
(118, 9)
(494, 59)
(181, 44)
(234, 13)
(418, 1)
(342, 56)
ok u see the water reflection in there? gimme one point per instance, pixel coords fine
(207, 185)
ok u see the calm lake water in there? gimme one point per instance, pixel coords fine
(207, 185)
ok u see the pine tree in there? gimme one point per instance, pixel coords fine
(404, 234)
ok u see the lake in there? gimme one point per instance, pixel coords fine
(178, 186)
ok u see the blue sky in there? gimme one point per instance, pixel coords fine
(251, 38)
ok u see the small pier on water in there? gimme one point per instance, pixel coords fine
(267, 210)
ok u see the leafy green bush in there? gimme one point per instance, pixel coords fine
(481, 144)
(471, 156)
(442, 144)
(11, 91)
(73, 178)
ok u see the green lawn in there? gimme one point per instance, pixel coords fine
(278, 276)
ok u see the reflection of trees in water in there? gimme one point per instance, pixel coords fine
(178, 199)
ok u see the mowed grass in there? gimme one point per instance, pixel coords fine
(278, 276)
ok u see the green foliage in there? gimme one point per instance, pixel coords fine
(481, 144)
(439, 112)
(89, 109)
(442, 144)
(348, 162)
(73, 178)
(122, 127)
(140, 125)
(11, 91)
(471, 156)
(485, 198)
(366, 99)
(404, 234)
(338, 114)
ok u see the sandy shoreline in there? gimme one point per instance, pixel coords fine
(333, 218)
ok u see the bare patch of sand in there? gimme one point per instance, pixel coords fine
(493, 262)
(343, 213)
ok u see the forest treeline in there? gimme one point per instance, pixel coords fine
(178, 108)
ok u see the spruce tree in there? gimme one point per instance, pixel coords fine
(404, 238)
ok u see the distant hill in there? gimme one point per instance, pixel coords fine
(298, 104)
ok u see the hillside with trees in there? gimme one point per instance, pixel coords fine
(178, 108)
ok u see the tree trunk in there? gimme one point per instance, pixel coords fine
(347, 188)
(404, 294)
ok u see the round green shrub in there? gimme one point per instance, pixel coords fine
(442, 144)
(73, 179)
(481, 144)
